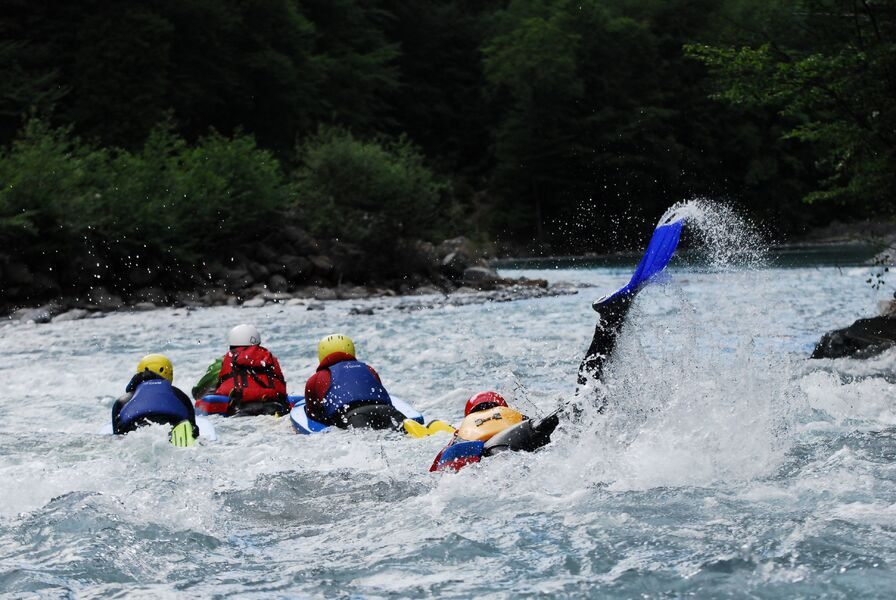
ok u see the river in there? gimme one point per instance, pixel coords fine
(727, 463)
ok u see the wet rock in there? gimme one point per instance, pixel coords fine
(359, 310)
(256, 302)
(864, 338)
(276, 296)
(295, 302)
(232, 300)
(143, 306)
(278, 283)
(71, 315)
(319, 293)
(351, 292)
(42, 314)
(480, 275)
(316, 306)
(425, 290)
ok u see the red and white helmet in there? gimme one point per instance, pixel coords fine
(483, 401)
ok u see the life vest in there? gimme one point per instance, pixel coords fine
(351, 382)
(153, 401)
(254, 372)
(482, 425)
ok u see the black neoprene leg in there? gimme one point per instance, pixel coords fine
(611, 317)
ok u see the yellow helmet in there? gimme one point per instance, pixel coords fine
(335, 343)
(157, 363)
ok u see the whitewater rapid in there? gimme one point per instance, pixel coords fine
(727, 463)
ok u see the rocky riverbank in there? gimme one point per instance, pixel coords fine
(290, 268)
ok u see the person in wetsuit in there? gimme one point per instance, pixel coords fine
(490, 426)
(346, 392)
(150, 397)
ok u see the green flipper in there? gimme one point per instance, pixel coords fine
(182, 435)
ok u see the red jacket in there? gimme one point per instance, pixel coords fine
(254, 371)
(319, 384)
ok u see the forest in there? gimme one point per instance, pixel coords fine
(189, 128)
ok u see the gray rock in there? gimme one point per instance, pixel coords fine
(256, 302)
(278, 283)
(42, 314)
(96, 315)
(232, 300)
(425, 290)
(144, 306)
(316, 306)
(295, 302)
(351, 292)
(864, 338)
(359, 310)
(478, 275)
(276, 296)
(322, 293)
(71, 315)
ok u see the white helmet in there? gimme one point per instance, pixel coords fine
(244, 335)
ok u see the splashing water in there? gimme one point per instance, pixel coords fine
(727, 464)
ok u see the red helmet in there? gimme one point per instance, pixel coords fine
(482, 401)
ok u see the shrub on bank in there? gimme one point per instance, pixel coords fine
(67, 207)
(379, 195)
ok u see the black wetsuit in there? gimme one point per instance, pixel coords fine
(611, 317)
(129, 393)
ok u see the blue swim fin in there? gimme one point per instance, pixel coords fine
(658, 254)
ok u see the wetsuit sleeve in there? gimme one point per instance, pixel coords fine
(315, 390)
(116, 409)
(611, 317)
(209, 382)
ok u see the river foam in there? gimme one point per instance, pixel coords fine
(728, 464)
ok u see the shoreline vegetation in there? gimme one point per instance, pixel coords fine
(213, 152)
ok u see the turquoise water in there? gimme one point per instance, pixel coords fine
(727, 464)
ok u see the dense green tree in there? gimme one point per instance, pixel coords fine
(838, 94)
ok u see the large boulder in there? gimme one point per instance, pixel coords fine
(479, 276)
(42, 314)
(865, 337)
